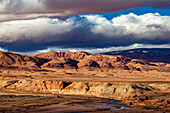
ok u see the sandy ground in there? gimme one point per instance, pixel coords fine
(89, 76)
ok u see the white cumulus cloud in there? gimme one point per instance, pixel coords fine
(149, 26)
(2, 49)
(34, 29)
(85, 31)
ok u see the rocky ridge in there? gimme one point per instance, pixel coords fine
(147, 54)
(80, 61)
(8, 59)
(93, 62)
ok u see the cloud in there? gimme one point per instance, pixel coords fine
(148, 26)
(21, 6)
(35, 29)
(84, 31)
(11, 17)
(2, 49)
(26, 9)
(97, 50)
(90, 50)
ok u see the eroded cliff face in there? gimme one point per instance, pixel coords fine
(145, 95)
(100, 89)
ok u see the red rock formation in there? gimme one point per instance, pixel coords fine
(18, 60)
(71, 55)
(79, 60)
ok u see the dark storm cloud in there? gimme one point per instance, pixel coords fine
(26, 9)
(100, 6)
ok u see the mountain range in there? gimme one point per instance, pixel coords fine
(147, 54)
(128, 61)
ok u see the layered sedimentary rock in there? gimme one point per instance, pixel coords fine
(116, 90)
(146, 95)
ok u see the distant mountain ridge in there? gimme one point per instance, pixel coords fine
(80, 61)
(71, 55)
(147, 54)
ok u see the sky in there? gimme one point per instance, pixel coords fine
(95, 26)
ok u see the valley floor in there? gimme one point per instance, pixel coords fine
(13, 101)
(52, 91)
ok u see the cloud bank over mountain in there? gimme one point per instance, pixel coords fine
(35, 25)
(84, 31)
(97, 50)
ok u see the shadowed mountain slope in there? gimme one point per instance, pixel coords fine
(150, 55)
(18, 60)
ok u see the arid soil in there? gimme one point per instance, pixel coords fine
(20, 101)
(144, 86)
(149, 94)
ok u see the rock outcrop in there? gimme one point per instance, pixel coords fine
(100, 89)
(147, 95)
(71, 55)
